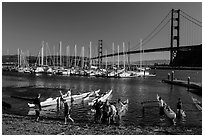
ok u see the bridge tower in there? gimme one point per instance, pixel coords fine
(175, 36)
(100, 53)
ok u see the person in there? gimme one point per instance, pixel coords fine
(69, 93)
(119, 105)
(161, 106)
(105, 109)
(37, 107)
(67, 110)
(179, 106)
(168, 108)
(97, 106)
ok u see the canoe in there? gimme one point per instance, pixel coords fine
(54, 101)
(124, 108)
(197, 103)
(167, 110)
(93, 93)
(102, 99)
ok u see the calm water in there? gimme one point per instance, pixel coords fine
(136, 90)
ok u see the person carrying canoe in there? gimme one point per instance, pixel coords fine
(69, 93)
(37, 107)
(179, 106)
(119, 105)
(67, 110)
(161, 106)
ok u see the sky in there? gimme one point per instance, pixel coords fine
(26, 25)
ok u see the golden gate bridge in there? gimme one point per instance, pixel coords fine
(184, 34)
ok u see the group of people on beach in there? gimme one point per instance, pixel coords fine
(105, 112)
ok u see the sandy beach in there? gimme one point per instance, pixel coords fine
(26, 125)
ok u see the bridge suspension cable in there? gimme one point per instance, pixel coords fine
(191, 19)
(190, 29)
(153, 33)
(156, 32)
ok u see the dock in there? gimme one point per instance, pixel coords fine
(188, 83)
(191, 85)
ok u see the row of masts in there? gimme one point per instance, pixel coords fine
(56, 58)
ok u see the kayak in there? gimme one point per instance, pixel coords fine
(54, 101)
(167, 110)
(197, 103)
(124, 108)
(102, 99)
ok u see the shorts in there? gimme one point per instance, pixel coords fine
(37, 113)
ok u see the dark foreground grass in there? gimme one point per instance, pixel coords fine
(25, 125)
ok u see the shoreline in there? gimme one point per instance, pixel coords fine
(26, 125)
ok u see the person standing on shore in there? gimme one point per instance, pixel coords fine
(161, 106)
(179, 106)
(67, 110)
(97, 106)
(37, 107)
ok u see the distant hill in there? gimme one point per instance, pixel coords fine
(153, 62)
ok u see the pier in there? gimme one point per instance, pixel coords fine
(188, 83)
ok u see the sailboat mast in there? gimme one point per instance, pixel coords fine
(60, 53)
(69, 65)
(46, 54)
(118, 57)
(67, 55)
(141, 53)
(28, 57)
(83, 57)
(75, 56)
(113, 56)
(42, 54)
(18, 57)
(106, 60)
(57, 59)
(90, 56)
(124, 55)
(54, 56)
(128, 55)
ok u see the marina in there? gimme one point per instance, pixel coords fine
(116, 68)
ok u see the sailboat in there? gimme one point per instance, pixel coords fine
(40, 68)
(113, 72)
(142, 71)
(123, 73)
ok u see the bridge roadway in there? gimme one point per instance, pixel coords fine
(150, 50)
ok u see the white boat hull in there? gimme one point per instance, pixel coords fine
(169, 113)
(51, 101)
(102, 99)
